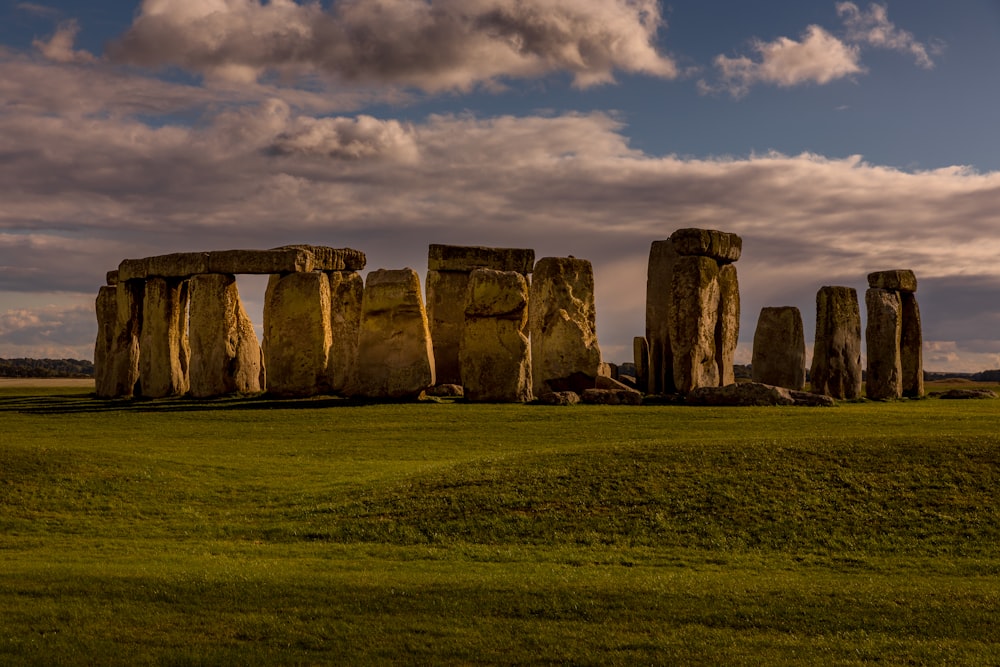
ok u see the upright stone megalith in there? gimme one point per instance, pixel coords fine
(692, 310)
(297, 334)
(346, 292)
(836, 365)
(895, 341)
(779, 348)
(495, 355)
(124, 358)
(395, 357)
(640, 357)
(448, 271)
(163, 341)
(225, 354)
(106, 308)
(565, 354)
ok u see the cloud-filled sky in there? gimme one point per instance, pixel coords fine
(837, 138)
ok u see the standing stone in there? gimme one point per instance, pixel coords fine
(882, 335)
(727, 329)
(495, 354)
(696, 293)
(911, 347)
(297, 335)
(225, 354)
(779, 348)
(163, 342)
(447, 283)
(640, 355)
(346, 292)
(565, 354)
(124, 358)
(395, 357)
(104, 348)
(659, 277)
(836, 365)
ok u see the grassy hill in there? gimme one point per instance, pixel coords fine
(317, 531)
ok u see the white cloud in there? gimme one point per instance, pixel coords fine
(59, 47)
(873, 28)
(49, 331)
(432, 45)
(818, 58)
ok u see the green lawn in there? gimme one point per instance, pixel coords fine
(316, 531)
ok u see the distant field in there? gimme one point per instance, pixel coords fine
(254, 531)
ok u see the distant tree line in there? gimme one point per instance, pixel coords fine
(46, 368)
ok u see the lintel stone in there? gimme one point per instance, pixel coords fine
(469, 258)
(900, 280)
(288, 259)
(723, 247)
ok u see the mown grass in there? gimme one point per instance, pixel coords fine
(316, 532)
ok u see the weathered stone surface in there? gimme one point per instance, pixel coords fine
(225, 354)
(899, 280)
(911, 347)
(559, 398)
(395, 358)
(721, 246)
(779, 348)
(611, 397)
(112, 277)
(562, 322)
(883, 333)
(106, 308)
(446, 292)
(297, 335)
(744, 394)
(727, 328)
(124, 356)
(640, 355)
(346, 293)
(291, 259)
(469, 258)
(604, 382)
(810, 399)
(446, 391)
(332, 259)
(696, 295)
(967, 394)
(659, 313)
(279, 260)
(494, 355)
(163, 341)
(836, 365)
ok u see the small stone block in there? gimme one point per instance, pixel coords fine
(469, 258)
(112, 277)
(720, 246)
(900, 280)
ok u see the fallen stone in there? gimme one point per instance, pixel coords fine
(744, 394)
(225, 354)
(469, 258)
(810, 399)
(611, 397)
(494, 354)
(659, 314)
(346, 294)
(559, 398)
(953, 394)
(562, 322)
(446, 391)
(836, 365)
(696, 295)
(899, 280)
(163, 340)
(779, 348)
(297, 334)
(721, 246)
(603, 382)
(395, 358)
(884, 380)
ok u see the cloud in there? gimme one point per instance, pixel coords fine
(434, 45)
(873, 28)
(818, 58)
(59, 47)
(38, 10)
(54, 332)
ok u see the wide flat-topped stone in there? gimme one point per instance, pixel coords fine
(720, 246)
(900, 280)
(470, 258)
(287, 259)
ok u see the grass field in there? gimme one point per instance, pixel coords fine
(319, 532)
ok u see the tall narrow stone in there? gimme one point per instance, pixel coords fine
(779, 348)
(640, 356)
(297, 334)
(695, 314)
(911, 347)
(562, 319)
(882, 335)
(727, 330)
(659, 277)
(225, 354)
(495, 354)
(395, 357)
(836, 365)
(346, 292)
(104, 348)
(163, 343)
(124, 380)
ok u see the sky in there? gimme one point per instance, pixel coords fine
(836, 138)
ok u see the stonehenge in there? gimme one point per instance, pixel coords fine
(496, 326)
(893, 336)
(692, 310)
